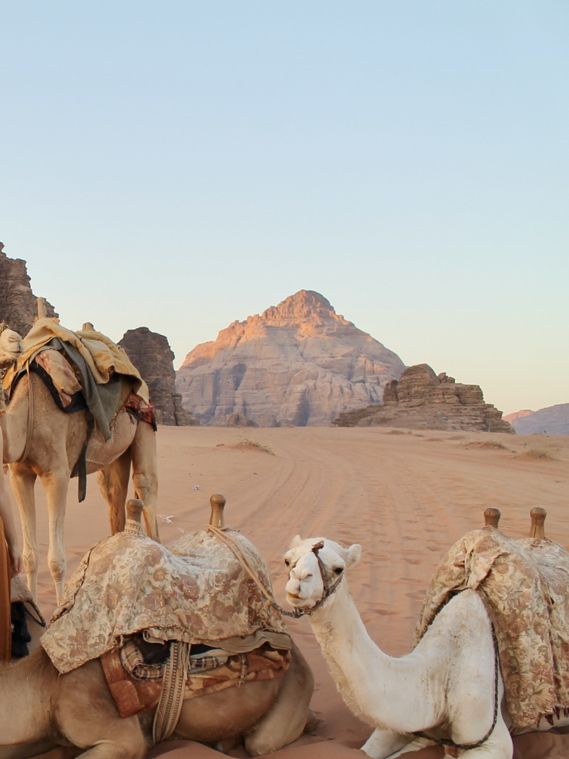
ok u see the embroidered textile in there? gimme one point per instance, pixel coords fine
(525, 587)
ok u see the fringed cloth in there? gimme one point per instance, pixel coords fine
(525, 587)
(5, 603)
(194, 591)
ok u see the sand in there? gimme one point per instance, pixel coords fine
(405, 496)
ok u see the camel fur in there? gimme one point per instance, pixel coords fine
(51, 453)
(41, 710)
(444, 688)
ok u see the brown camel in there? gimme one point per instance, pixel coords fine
(41, 710)
(40, 440)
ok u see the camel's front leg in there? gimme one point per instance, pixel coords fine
(386, 744)
(23, 481)
(56, 484)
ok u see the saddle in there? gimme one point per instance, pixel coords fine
(135, 679)
(524, 584)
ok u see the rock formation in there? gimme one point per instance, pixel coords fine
(152, 356)
(296, 363)
(422, 400)
(17, 301)
(552, 420)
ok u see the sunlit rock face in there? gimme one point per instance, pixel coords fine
(295, 364)
(420, 399)
(18, 306)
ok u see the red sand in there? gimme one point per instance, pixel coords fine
(406, 498)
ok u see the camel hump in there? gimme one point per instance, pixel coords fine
(537, 529)
(492, 517)
(217, 503)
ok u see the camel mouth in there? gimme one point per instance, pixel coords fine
(296, 600)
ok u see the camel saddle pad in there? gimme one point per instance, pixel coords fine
(103, 357)
(136, 686)
(525, 587)
(195, 591)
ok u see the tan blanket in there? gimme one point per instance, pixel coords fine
(103, 357)
(525, 586)
(195, 591)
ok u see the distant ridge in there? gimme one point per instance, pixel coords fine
(295, 364)
(552, 420)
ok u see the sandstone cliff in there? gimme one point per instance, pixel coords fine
(552, 420)
(152, 356)
(17, 302)
(297, 363)
(422, 400)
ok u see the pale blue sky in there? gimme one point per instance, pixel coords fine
(179, 165)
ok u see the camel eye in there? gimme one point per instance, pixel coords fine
(287, 562)
(338, 570)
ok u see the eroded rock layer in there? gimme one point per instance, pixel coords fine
(297, 363)
(18, 306)
(422, 400)
(152, 356)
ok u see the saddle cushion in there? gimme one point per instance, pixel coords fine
(196, 592)
(525, 587)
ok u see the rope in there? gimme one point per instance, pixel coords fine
(172, 694)
(452, 744)
(296, 613)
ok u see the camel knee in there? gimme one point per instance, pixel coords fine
(57, 566)
(29, 561)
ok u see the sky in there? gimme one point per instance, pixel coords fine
(180, 165)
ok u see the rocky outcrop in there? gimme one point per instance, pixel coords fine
(297, 363)
(552, 420)
(152, 356)
(17, 302)
(422, 400)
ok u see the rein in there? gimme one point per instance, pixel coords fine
(295, 613)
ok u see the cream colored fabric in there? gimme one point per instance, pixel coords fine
(525, 586)
(103, 357)
(194, 591)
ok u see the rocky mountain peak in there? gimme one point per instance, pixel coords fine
(295, 363)
(303, 307)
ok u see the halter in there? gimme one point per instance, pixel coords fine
(329, 588)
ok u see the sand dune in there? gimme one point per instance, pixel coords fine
(405, 497)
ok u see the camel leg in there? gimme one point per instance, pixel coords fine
(286, 719)
(113, 484)
(87, 717)
(56, 484)
(386, 744)
(144, 474)
(23, 481)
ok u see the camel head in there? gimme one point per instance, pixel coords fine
(10, 345)
(314, 565)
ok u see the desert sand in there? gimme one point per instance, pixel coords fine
(405, 496)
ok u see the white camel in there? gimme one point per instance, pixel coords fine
(448, 689)
(40, 440)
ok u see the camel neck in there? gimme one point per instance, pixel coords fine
(380, 689)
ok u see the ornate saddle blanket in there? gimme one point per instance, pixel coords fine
(136, 685)
(193, 591)
(525, 587)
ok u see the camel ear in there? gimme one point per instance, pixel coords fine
(353, 554)
(297, 540)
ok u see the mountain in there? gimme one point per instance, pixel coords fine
(552, 420)
(295, 364)
(421, 399)
(18, 305)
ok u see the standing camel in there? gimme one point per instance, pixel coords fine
(41, 440)
(448, 690)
